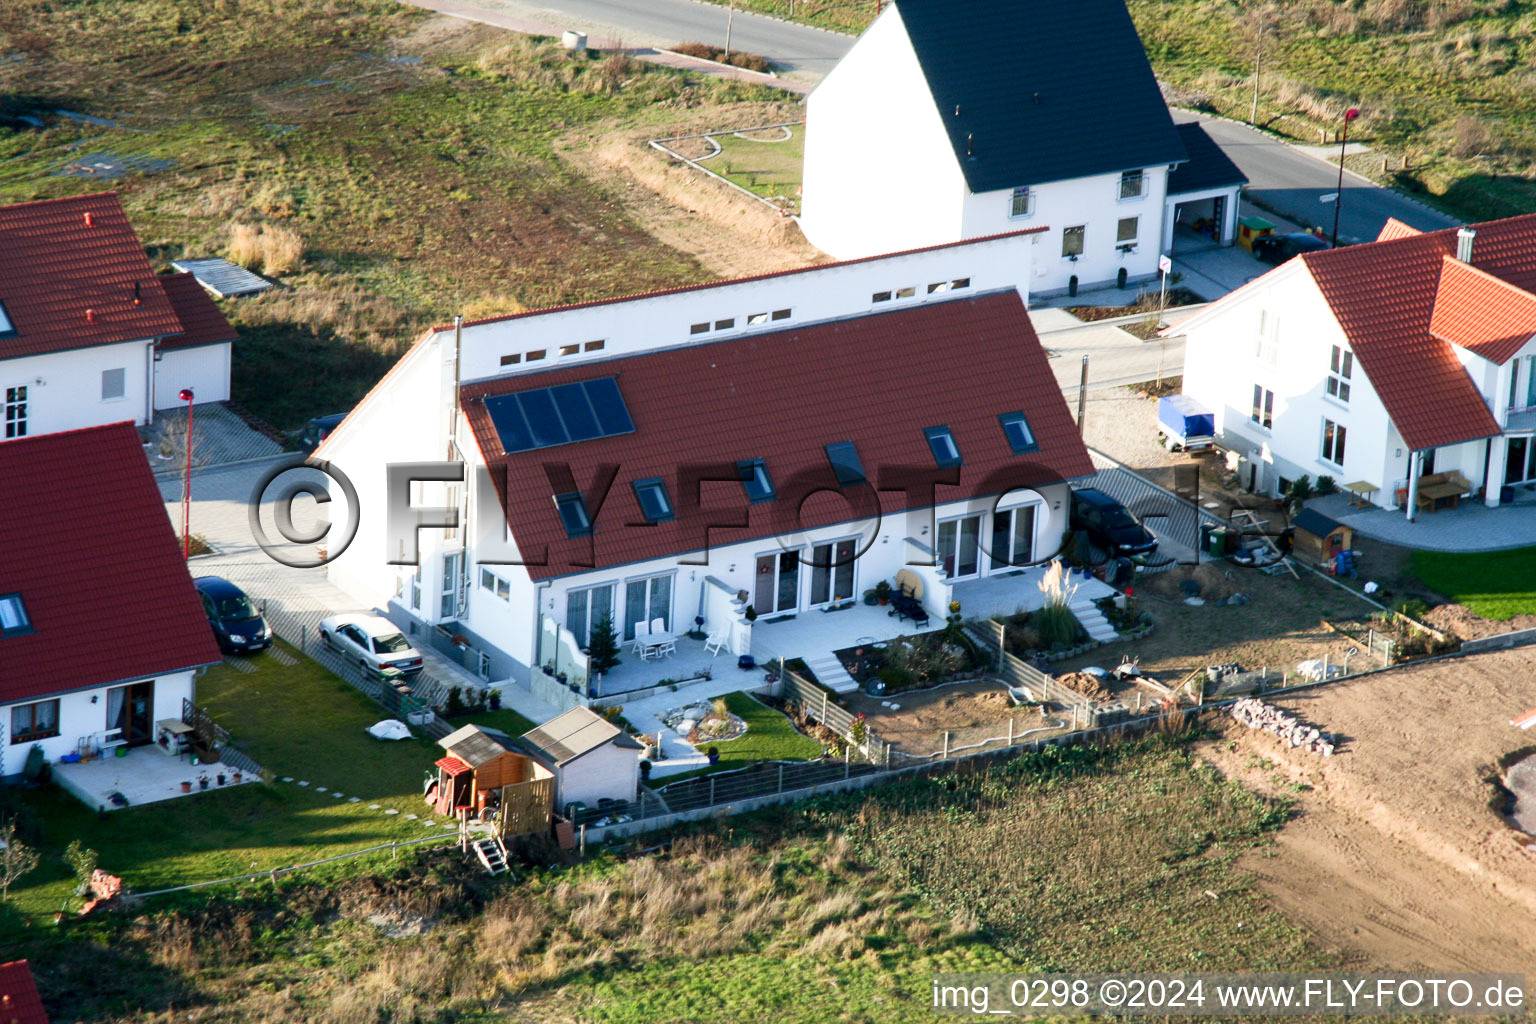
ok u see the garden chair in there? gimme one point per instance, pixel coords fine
(642, 634)
(658, 625)
(716, 643)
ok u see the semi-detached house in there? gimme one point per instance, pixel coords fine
(779, 443)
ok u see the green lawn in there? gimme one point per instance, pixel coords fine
(763, 165)
(1494, 584)
(299, 721)
(769, 737)
(507, 720)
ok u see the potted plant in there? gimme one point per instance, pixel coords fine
(238, 776)
(645, 767)
(883, 592)
(493, 699)
(750, 614)
(460, 641)
(713, 753)
(186, 787)
(870, 598)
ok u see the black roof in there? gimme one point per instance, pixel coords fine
(1045, 90)
(1208, 166)
(1314, 522)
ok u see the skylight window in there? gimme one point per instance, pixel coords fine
(845, 463)
(1016, 429)
(573, 515)
(6, 327)
(942, 443)
(654, 503)
(565, 413)
(13, 616)
(754, 477)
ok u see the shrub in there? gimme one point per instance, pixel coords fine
(1301, 488)
(1411, 607)
(1325, 485)
(1057, 626)
(603, 647)
(703, 51)
(275, 250)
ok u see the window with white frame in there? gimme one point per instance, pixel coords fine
(1268, 348)
(13, 616)
(114, 384)
(16, 411)
(1133, 184)
(1333, 442)
(1263, 407)
(1072, 241)
(1023, 202)
(646, 600)
(1341, 366)
(32, 722)
(453, 564)
(1127, 230)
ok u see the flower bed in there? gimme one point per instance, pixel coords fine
(906, 663)
(707, 722)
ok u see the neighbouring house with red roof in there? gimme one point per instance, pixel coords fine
(724, 456)
(101, 630)
(19, 1001)
(89, 334)
(1381, 365)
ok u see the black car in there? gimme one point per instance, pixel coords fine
(1109, 525)
(237, 625)
(317, 430)
(1277, 249)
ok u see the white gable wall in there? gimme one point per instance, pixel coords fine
(204, 368)
(79, 718)
(1093, 203)
(666, 320)
(64, 389)
(880, 173)
(609, 771)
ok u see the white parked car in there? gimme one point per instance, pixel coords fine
(372, 641)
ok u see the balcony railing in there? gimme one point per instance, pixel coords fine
(1521, 418)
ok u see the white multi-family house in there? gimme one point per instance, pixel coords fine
(101, 630)
(953, 119)
(1381, 365)
(740, 459)
(89, 334)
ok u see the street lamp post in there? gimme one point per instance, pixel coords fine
(186, 482)
(1338, 199)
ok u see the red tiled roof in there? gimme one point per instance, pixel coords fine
(66, 283)
(1482, 313)
(88, 546)
(876, 380)
(1383, 296)
(744, 280)
(1395, 228)
(201, 321)
(19, 1001)
(452, 765)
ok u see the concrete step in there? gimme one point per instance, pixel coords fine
(830, 673)
(1093, 620)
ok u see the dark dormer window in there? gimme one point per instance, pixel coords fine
(6, 327)
(755, 479)
(1016, 428)
(13, 616)
(654, 503)
(942, 443)
(573, 515)
(845, 463)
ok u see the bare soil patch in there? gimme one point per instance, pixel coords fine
(1459, 621)
(1397, 849)
(969, 712)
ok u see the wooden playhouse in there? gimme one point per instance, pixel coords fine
(1320, 539)
(483, 778)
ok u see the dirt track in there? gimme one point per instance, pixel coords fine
(1395, 850)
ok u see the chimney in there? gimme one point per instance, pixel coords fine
(90, 316)
(87, 218)
(1464, 239)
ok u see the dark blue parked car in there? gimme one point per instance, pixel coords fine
(237, 625)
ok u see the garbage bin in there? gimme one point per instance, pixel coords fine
(1250, 228)
(1205, 535)
(1218, 542)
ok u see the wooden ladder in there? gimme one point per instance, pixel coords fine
(492, 854)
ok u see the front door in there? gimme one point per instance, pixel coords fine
(1013, 537)
(960, 547)
(831, 572)
(777, 586)
(129, 708)
(1519, 460)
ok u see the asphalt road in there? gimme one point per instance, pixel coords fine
(1290, 181)
(799, 50)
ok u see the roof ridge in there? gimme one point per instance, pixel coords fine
(73, 430)
(27, 204)
(1448, 261)
(703, 285)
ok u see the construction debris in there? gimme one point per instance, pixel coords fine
(1256, 714)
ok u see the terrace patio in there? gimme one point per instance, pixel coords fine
(143, 775)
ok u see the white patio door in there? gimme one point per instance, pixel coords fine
(960, 547)
(777, 585)
(647, 599)
(585, 609)
(1013, 537)
(831, 572)
(453, 564)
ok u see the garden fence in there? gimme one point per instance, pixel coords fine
(819, 703)
(211, 736)
(415, 704)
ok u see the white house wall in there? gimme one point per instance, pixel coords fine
(609, 771)
(64, 388)
(666, 319)
(205, 369)
(79, 719)
(880, 174)
(1093, 203)
(1222, 365)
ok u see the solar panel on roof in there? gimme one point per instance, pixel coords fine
(545, 417)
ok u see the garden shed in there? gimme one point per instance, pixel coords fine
(484, 776)
(1318, 538)
(592, 759)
